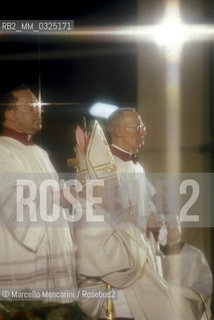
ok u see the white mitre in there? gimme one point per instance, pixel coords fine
(94, 155)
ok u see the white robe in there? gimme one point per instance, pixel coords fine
(116, 253)
(189, 269)
(34, 255)
(135, 187)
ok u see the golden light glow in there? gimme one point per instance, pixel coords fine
(171, 35)
(171, 32)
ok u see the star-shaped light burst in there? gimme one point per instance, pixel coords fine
(171, 32)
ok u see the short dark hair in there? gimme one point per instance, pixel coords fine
(8, 100)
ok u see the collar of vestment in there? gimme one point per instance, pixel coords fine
(120, 153)
(22, 137)
(174, 249)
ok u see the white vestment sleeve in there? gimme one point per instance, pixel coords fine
(24, 224)
(117, 254)
(119, 258)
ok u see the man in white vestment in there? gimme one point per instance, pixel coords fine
(185, 265)
(127, 132)
(35, 254)
(114, 254)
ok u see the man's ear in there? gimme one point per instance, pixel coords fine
(9, 115)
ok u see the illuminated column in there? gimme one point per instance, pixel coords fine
(173, 90)
(173, 109)
(173, 98)
(170, 37)
(158, 66)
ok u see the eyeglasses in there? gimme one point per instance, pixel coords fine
(29, 104)
(139, 127)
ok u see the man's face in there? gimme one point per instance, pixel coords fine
(26, 115)
(133, 132)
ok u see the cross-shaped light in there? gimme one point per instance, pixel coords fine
(171, 32)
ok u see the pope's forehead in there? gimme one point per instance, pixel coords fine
(25, 95)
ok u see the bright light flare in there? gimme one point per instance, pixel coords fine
(40, 104)
(102, 110)
(171, 33)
